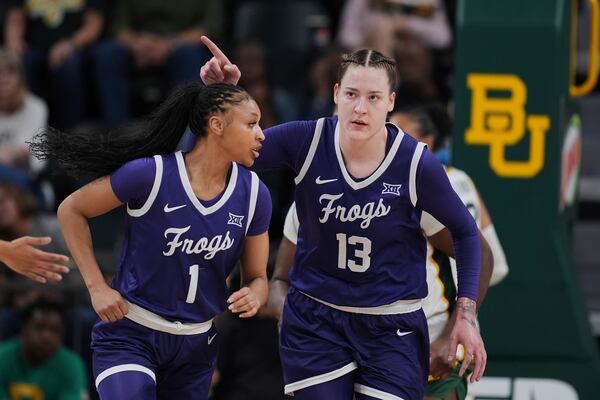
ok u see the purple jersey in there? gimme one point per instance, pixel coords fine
(363, 248)
(360, 242)
(178, 250)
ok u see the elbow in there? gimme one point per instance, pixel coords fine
(65, 210)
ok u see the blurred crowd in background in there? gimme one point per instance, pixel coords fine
(93, 65)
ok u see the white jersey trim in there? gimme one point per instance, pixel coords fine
(397, 307)
(378, 172)
(377, 394)
(311, 151)
(412, 183)
(153, 193)
(291, 224)
(253, 199)
(430, 225)
(154, 321)
(318, 379)
(124, 368)
(190, 192)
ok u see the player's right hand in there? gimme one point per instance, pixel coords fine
(108, 303)
(218, 69)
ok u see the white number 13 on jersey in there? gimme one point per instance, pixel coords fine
(362, 253)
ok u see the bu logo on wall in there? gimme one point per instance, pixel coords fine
(499, 120)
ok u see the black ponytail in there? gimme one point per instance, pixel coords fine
(91, 156)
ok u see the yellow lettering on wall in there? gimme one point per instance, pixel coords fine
(500, 121)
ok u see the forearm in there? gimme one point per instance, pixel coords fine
(76, 231)
(89, 31)
(4, 245)
(277, 291)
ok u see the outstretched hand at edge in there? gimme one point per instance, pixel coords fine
(21, 256)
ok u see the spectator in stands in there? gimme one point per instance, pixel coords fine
(276, 105)
(416, 73)
(375, 23)
(21, 115)
(152, 35)
(36, 365)
(322, 77)
(51, 37)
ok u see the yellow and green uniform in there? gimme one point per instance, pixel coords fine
(62, 377)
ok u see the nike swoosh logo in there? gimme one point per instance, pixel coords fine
(320, 181)
(400, 333)
(171, 209)
(211, 338)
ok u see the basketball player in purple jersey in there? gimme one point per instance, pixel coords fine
(190, 218)
(352, 323)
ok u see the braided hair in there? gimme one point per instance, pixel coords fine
(84, 155)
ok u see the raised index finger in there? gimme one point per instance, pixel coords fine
(214, 49)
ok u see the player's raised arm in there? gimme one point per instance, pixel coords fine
(218, 69)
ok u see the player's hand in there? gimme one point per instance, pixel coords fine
(21, 256)
(108, 303)
(244, 302)
(218, 69)
(438, 353)
(465, 332)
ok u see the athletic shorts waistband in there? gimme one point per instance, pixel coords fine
(397, 307)
(154, 321)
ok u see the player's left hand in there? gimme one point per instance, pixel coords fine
(465, 332)
(244, 302)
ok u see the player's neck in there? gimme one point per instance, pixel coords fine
(363, 157)
(207, 171)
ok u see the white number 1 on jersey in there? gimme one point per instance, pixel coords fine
(191, 296)
(363, 253)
